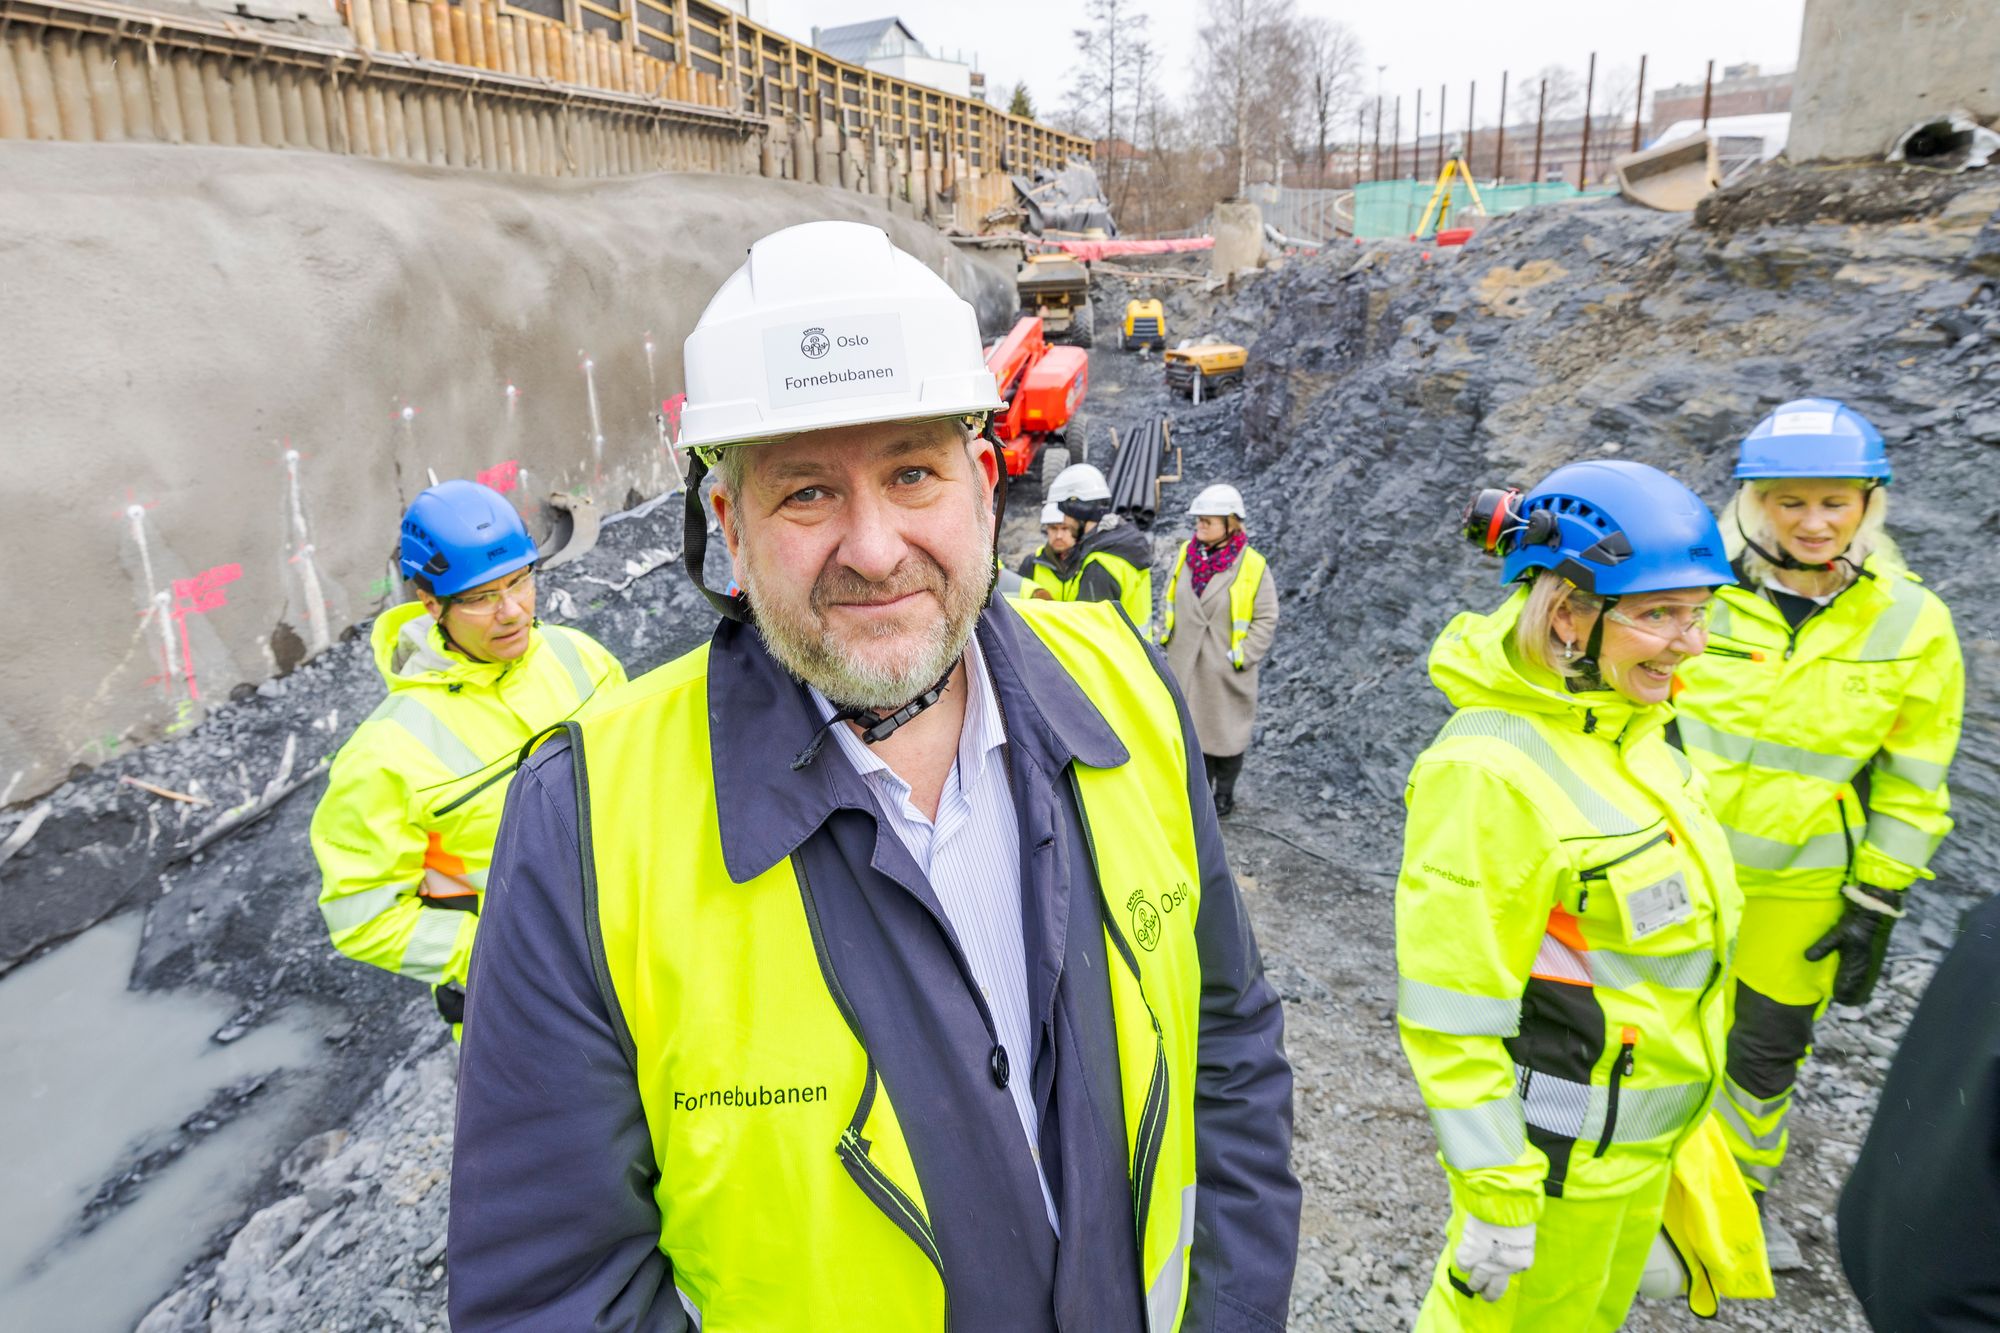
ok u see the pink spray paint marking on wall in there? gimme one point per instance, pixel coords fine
(502, 477)
(198, 596)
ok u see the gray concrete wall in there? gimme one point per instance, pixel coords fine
(1869, 69)
(224, 373)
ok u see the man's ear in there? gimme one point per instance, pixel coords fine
(721, 499)
(431, 604)
(986, 458)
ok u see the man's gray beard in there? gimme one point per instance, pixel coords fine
(803, 646)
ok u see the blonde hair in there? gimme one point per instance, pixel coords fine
(1746, 516)
(1535, 632)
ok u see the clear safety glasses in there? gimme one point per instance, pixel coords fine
(486, 605)
(1665, 622)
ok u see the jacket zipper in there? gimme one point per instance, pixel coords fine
(1846, 832)
(1621, 1069)
(881, 1191)
(1153, 1116)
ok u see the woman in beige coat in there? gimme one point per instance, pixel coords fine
(1222, 613)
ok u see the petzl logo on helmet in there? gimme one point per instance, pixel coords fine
(815, 344)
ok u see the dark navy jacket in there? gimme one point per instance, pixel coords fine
(553, 1221)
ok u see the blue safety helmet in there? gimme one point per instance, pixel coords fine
(1813, 437)
(1608, 526)
(459, 534)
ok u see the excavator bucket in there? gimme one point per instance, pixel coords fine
(1672, 177)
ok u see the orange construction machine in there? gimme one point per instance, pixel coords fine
(1040, 386)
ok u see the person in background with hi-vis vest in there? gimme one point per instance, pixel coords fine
(1825, 716)
(404, 834)
(1045, 573)
(1566, 907)
(877, 966)
(1222, 613)
(1101, 558)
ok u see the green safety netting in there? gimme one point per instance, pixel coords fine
(1394, 208)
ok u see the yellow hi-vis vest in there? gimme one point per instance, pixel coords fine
(1242, 599)
(787, 1194)
(1041, 574)
(1135, 585)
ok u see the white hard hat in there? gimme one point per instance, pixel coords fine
(1051, 513)
(1079, 481)
(829, 324)
(1218, 501)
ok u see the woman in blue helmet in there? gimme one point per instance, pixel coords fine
(404, 834)
(1824, 716)
(1566, 905)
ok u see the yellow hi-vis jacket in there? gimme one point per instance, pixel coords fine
(705, 973)
(1242, 599)
(1826, 748)
(1565, 916)
(414, 798)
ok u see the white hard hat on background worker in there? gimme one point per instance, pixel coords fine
(1051, 513)
(1079, 481)
(1218, 501)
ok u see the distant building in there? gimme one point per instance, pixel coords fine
(1743, 90)
(887, 46)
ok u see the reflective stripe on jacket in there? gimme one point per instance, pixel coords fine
(1242, 599)
(752, 1072)
(1565, 915)
(414, 798)
(1826, 748)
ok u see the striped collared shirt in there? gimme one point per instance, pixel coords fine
(971, 856)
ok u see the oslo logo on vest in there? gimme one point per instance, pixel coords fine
(1148, 920)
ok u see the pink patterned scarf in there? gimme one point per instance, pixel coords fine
(1205, 563)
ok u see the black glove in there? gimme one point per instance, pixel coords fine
(1862, 937)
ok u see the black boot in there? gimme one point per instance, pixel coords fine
(1226, 769)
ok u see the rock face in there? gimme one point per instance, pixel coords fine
(1384, 389)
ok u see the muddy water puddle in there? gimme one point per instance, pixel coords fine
(130, 1136)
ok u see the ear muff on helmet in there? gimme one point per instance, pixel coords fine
(1494, 523)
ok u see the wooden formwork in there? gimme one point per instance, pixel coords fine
(480, 84)
(82, 71)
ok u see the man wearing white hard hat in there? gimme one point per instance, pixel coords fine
(1046, 573)
(1222, 613)
(876, 966)
(1104, 560)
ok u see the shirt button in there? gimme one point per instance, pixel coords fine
(997, 1062)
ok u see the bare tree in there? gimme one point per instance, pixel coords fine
(1143, 64)
(1330, 64)
(1106, 51)
(1565, 93)
(1247, 75)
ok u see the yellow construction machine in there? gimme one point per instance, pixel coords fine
(1145, 325)
(1056, 288)
(1203, 370)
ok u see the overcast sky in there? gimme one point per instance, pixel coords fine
(1423, 43)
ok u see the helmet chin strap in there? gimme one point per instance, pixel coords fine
(1591, 675)
(694, 543)
(1786, 560)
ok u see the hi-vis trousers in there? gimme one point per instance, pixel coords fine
(1589, 1256)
